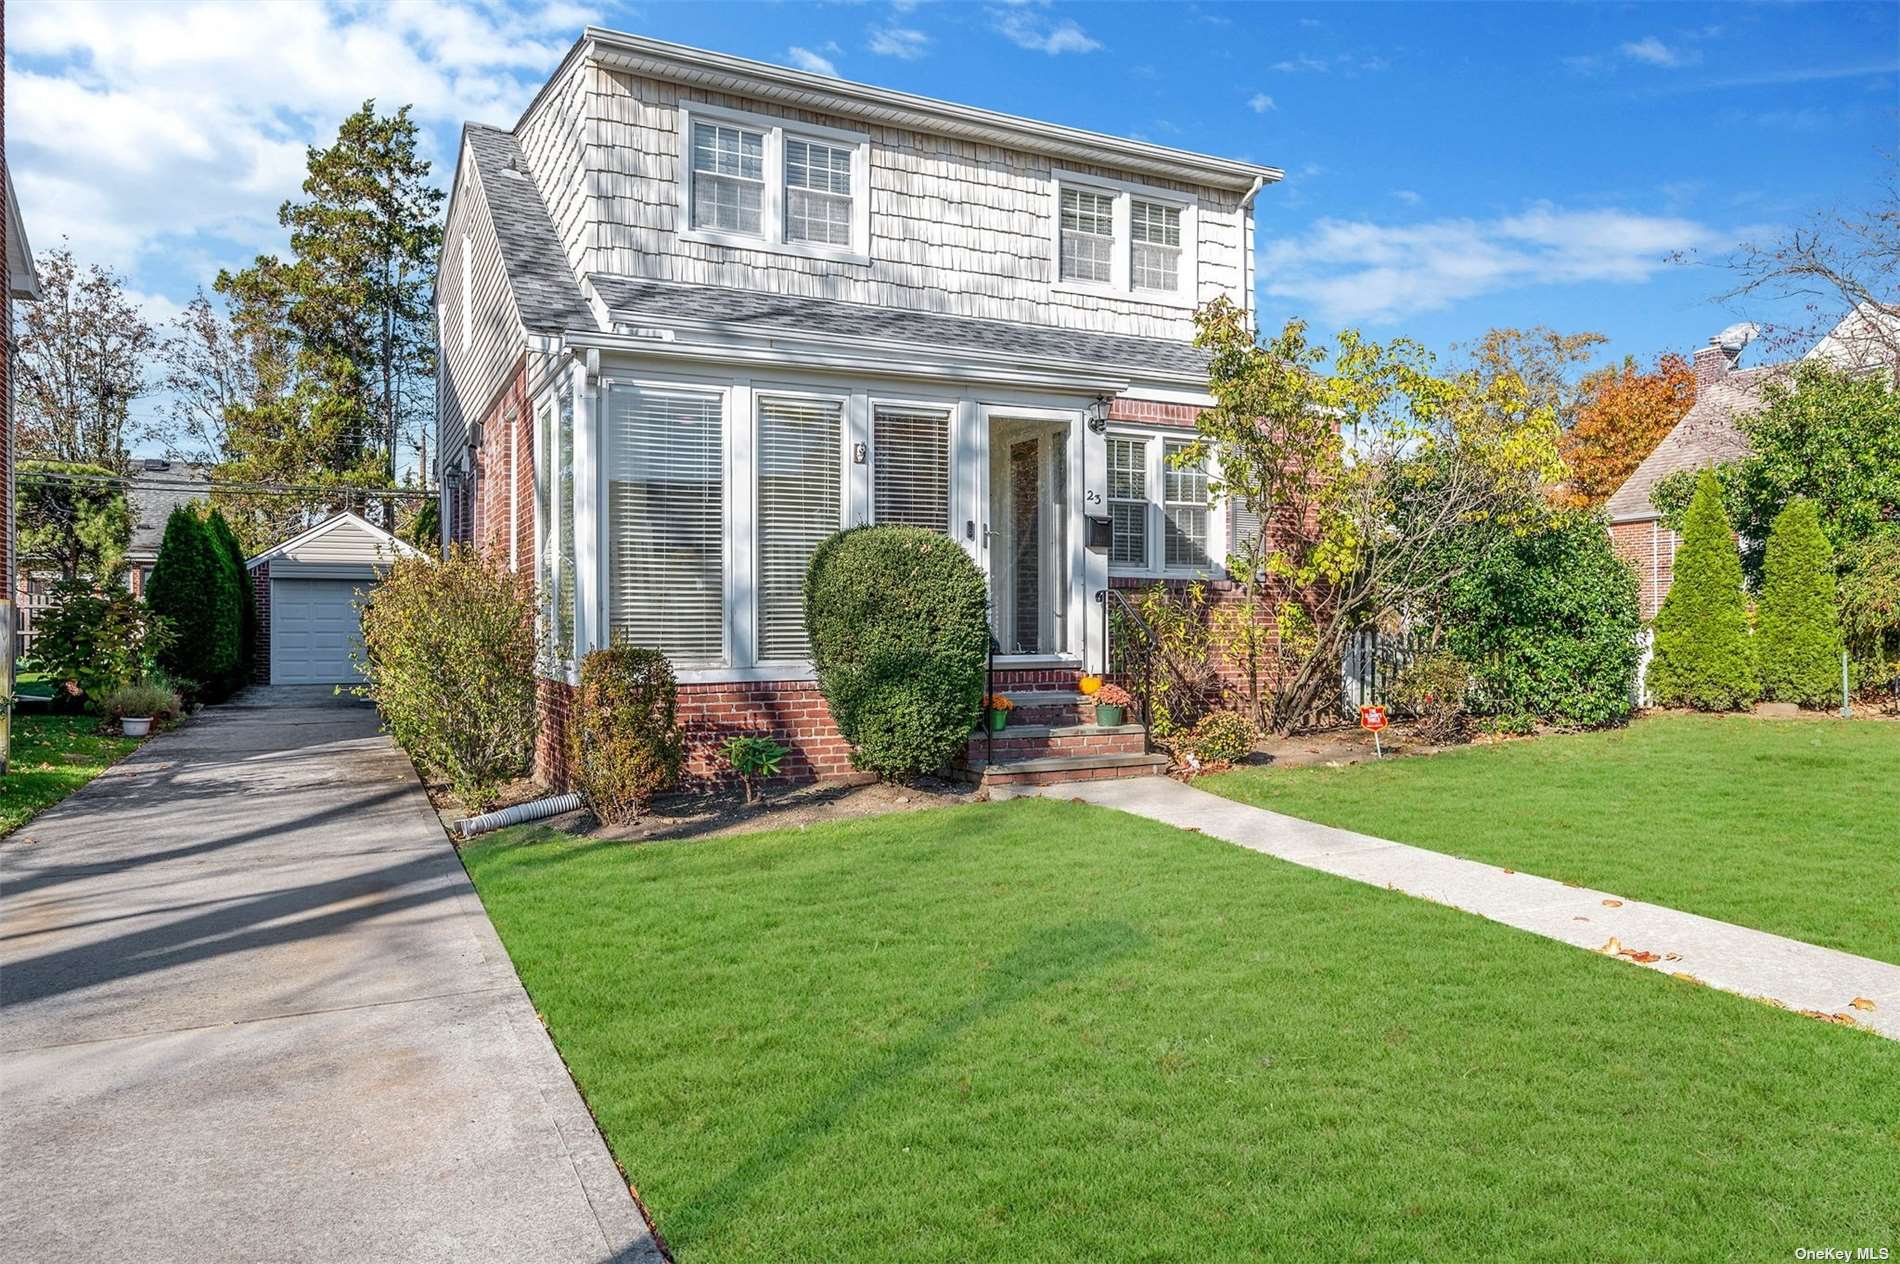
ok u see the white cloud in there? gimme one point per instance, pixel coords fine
(805, 59)
(1407, 196)
(900, 42)
(1035, 31)
(1260, 103)
(1350, 271)
(1312, 63)
(1654, 52)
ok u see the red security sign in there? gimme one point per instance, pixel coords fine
(1372, 718)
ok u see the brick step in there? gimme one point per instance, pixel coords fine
(1054, 771)
(1044, 741)
(1050, 707)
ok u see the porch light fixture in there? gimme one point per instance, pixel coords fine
(1098, 415)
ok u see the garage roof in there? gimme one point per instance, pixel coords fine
(341, 538)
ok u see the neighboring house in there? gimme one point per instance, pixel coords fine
(697, 312)
(1708, 435)
(23, 282)
(156, 488)
(309, 593)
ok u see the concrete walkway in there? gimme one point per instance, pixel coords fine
(1733, 958)
(251, 1008)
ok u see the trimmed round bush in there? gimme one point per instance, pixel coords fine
(1798, 626)
(1704, 656)
(193, 589)
(899, 625)
(623, 737)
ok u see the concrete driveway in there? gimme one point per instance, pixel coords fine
(251, 1008)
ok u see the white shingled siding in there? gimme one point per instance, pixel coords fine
(473, 366)
(957, 227)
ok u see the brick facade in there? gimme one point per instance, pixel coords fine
(1650, 548)
(503, 492)
(260, 585)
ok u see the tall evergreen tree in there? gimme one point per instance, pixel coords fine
(1798, 637)
(1704, 657)
(192, 589)
(232, 555)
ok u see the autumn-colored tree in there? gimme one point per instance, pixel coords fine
(1623, 414)
(1543, 360)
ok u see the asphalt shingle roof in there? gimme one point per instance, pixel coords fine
(545, 291)
(632, 298)
(152, 494)
(1705, 436)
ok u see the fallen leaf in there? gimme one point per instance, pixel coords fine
(1672, 956)
(1577, 885)
(1840, 1020)
(1639, 956)
(1510, 871)
(1611, 948)
(1684, 975)
(1612, 904)
(1861, 1002)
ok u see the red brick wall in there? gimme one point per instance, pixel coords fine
(260, 584)
(503, 467)
(1650, 547)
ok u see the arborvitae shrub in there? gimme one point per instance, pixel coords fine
(233, 554)
(899, 625)
(1704, 657)
(623, 735)
(1798, 628)
(193, 589)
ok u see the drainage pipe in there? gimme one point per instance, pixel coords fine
(518, 814)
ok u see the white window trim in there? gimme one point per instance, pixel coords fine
(772, 214)
(1121, 283)
(1157, 440)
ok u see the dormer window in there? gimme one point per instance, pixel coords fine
(765, 183)
(1128, 240)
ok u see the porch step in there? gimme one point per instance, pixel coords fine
(1049, 707)
(1054, 771)
(1046, 741)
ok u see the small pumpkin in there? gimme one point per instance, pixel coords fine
(1089, 684)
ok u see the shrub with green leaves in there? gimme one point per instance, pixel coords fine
(1797, 622)
(1432, 688)
(1221, 738)
(193, 589)
(95, 639)
(899, 627)
(1870, 611)
(1548, 619)
(753, 757)
(623, 733)
(232, 554)
(142, 701)
(449, 656)
(1704, 656)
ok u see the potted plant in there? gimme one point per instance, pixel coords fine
(136, 706)
(1111, 706)
(998, 707)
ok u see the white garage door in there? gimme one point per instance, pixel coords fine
(313, 627)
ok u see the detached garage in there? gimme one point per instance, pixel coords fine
(307, 597)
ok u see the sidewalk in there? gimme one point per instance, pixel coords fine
(1753, 963)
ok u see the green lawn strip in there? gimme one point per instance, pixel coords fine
(1789, 826)
(52, 756)
(1036, 1030)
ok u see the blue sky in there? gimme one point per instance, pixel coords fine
(1450, 167)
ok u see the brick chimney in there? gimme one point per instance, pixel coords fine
(1713, 362)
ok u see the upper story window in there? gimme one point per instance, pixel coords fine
(765, 183)
(1125, 239)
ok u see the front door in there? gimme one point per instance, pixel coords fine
(1028, 535)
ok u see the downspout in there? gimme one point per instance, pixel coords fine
(1247, 246)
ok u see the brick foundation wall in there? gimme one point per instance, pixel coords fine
(1650, 547)
(260, 585)
(551, 701)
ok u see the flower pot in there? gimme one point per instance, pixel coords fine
(998, 719)
(1109, 717)
(136, 727)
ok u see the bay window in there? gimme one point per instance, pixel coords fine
(800, 503)
(666, 521)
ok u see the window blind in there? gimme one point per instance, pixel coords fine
(1128, 501)
(800, 503)
(911, 481)
(666, 522)
(564, 533)
(1184, 504)
(1088, 235)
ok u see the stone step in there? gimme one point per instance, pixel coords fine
(1050, 707)
(1054, 771)
(1043, 741)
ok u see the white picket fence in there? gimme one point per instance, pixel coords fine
(1373, 660)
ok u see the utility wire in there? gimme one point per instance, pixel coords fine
(350, 491)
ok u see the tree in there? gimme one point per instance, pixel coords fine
(192, 589)
(1870, 610)
(1622, 415)
(1703, 656)
(74, 517)
(231, 553)
(1372, 468)
(1543, 359)
(81, 362)
(1798, 632)
(217, 367)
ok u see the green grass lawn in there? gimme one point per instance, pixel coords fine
(1790, 826)
(52, 756)
(1042, 1031)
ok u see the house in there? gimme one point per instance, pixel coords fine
(157, 487)
(309, 593)
(23, 282)
(1708, 434)
(697, 312)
